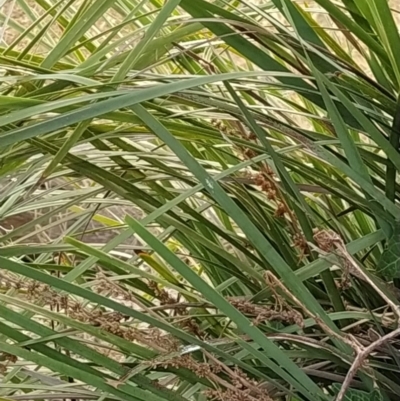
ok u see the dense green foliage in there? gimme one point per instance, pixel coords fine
(199, 200)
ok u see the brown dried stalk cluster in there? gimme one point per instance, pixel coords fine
(268, 183)
(162, 295)
(235, 395)
(245, 389)
(7, 359)
(34, 290)
(165, 298)
(42, 293)
(266, 180)
(108, 288)
(112, 322)
(280, 312)
(201, 369)
(326, 241)
(240, 387)
(246, 153)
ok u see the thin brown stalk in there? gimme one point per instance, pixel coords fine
(359, 360)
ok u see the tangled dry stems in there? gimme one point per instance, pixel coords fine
(118, 324)
(239, 387)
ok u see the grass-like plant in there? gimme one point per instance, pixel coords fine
(199, 200)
